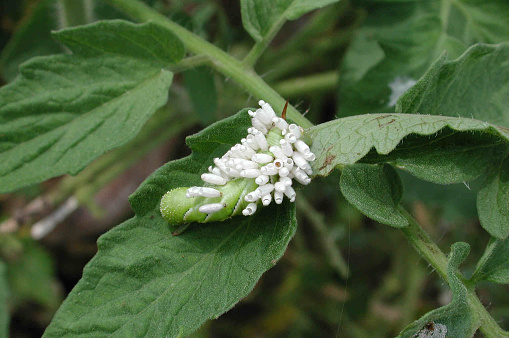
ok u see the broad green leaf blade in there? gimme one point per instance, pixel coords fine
(40, 140)
(145, 42)
(494, 265)
(37, 26)
(375, 190)
(412, 36)
(202, 91)
(493, 201)
(260, 16)
(66, 110)
(448, 157)
(146, 282)
(4, 295)
(475, 85)
(348, 140)
(440, 149)
(364, 55)
(457, 319)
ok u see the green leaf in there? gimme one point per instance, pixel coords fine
(440, 149)
(448, 157)
(38, 25)
(457, 319)
(261, 16)
(412, 36)
(348, 140)
(31, 276)
(66, 110)
(213, 141)
(475, 85)
(146, 282)
(364, 54)
(146, 42)
(493, 201)
(375, 190)
(4, 295)
(494, 264)
(202, 90)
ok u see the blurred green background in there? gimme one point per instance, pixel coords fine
(343, 274)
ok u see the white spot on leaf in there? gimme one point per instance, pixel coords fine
(432, 330)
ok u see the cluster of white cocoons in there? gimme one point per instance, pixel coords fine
(272, 154)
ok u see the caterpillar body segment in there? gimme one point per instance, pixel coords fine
(176, 208)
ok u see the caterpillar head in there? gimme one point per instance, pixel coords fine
(258, 170)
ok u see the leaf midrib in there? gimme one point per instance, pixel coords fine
(63, 128)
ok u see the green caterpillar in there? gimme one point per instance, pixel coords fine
(258, 170)
(177, 208)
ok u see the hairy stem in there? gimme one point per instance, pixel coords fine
(221, 61)
(189, 63)
(315, 83)
(488, 252)
(421, 241)
(489, 327)
(434, 256)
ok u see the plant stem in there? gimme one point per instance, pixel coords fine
(190, 62)
(489, 327)
(488, 252)
(224, 63)
(308, 84)
(421, 241)
(318, 25)
(332, 252)
(434, 256)
(260, 46)
(74, 13)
